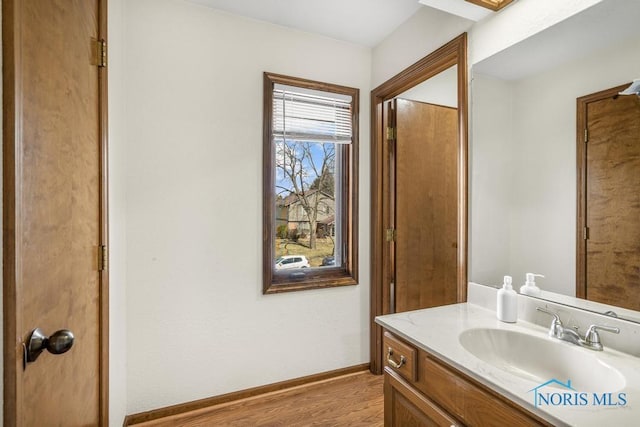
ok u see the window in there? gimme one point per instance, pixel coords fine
(310, 178)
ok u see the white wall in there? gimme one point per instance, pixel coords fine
(539, 160)
(424, 32)
(117, 220)
(441, 89)
(198, 324)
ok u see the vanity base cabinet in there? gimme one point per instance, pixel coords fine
(440, 395)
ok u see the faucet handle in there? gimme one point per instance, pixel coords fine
(592, 338)
(556, 328)
(556, 318)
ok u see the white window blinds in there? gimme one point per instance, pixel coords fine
(301, 115)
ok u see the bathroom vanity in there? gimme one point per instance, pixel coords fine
(424, 390)
(448, 366)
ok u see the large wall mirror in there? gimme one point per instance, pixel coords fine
(523, 150)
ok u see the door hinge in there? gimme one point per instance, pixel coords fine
(391, 133)
(586, 135)
(103, 258)
(99, 53)
(586, 233)
(391, 235)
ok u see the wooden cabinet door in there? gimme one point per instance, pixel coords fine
(54, 204)
(404, 407)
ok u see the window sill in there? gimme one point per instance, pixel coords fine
(281, 283)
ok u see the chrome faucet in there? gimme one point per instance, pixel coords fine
(558, 331)
(591, 339)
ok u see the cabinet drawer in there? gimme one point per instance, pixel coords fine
(400, 357)
(467, 401)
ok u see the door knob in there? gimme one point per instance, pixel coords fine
(58, 343)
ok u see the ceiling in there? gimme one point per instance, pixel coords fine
(364, 22)
(594, 29)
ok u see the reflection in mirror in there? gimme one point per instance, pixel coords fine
(523, 181)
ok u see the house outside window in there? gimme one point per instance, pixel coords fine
(310, 175)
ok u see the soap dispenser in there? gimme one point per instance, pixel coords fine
(529, 287)
(507, 304)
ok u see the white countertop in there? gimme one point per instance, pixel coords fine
(436, 331)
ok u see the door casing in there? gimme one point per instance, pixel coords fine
(452, 53)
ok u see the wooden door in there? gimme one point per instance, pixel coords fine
(424, 205)
(54, 210)
(612, 200)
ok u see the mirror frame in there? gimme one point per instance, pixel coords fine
(452, 53)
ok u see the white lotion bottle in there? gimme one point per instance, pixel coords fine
(529, 287)
(507, 304)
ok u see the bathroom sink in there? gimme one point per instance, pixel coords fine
(541, 359)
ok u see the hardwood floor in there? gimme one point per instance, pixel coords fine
(350, 400)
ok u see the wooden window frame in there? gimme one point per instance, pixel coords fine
(345, 274)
